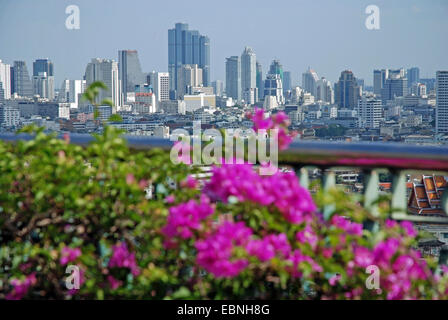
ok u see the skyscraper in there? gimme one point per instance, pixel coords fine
(273, 90)
(287, 84)
(218, 87)
(187, 47)
(233, 77)
(5, 81)
(129, 72)
(369, 110)
(413, 76)
(347, 92)
(160, 82)
(43, 65)
(21, 83)
(379, 79)
(43, 85)
(188, 76)
(396, 85)
(309, 79)
(276, 68)
(442, 102)
(70, 91)
(105, 70)
(249, 75)
(260, 84)
(324, 91)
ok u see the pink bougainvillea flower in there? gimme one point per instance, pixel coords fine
(21, 287)
(215, 253)
(69, 255)
(122, 258)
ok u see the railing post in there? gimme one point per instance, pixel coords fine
(371, 194)
(303, 177)
(399, 200)
(444, 201)
(328, 179)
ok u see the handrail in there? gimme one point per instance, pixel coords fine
(369, 156)
(318, 153)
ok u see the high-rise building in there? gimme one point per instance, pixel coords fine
(71, 91)
(260, 83)
(276, 68)
(218, 87)
(324, 91)
(43, 65)
(287, 83)
(21, 82)
(379, 79)
(347, 92)
(413, 76)
(160, 82)
(273, 89)
(396, 85)
(5, 81)
(189, 76)
(43, 85)
(442, 102)
(309, 79)
(418, 89)
(187, 47)
(129, 72)
(369, 110)
(9, 116)
(249, 75)
(233, 77)
(105, 70)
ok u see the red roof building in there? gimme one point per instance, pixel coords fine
(425, 197)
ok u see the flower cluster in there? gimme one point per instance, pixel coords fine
(69, 255)
(186, 217)
(279, 121)
(216, 252)
(281, 190)
(20, 288)
(270, 246)
(122, 258)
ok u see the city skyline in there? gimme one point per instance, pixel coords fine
(296, 50)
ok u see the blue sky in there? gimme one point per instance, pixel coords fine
(327, 35)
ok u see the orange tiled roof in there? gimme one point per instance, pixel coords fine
(426, 195)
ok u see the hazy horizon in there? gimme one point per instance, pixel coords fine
(326, 35)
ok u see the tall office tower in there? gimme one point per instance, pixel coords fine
(249, 75)
(418, 89)
(397, 73)
(43, 65)
(187, 47)
(309, 79)
(370, 111)
(43, 85)
(324, 91)
(273, 87)
(129, 72)
(379, 79)
(347, 92)
(260, 84)
(233, 77)
(218, 87)
(396, 85)
(21, 82)
(189, 76)
(5, 80)
(105, 70)
(276, 68)
(70, 91)
(160, 82)
(442, 102)
(413, 75)
(287, 84)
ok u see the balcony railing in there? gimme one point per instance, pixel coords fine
(372, 158)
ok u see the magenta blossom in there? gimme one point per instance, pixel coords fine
(215, 253)
(122, 258)
(270, 246)
(69, 255)
(21, 287)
